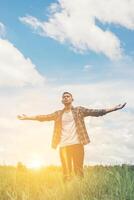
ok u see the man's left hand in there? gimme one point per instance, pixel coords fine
(120, 106)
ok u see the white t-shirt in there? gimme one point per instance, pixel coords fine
(69, 135)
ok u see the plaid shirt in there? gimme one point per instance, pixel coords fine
(79, 113)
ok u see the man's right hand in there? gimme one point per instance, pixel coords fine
(22, 117)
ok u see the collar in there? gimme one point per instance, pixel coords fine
(72, 108)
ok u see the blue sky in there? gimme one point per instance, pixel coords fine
(85, 47)
(52, 58)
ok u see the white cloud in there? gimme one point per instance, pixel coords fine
(75, 22)
(15, 69)
(87, 68)
(2, 29)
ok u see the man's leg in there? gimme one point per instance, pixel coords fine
(66, 161)
(78, 159)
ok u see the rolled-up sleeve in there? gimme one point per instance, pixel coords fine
(48, 117)
(92, 112)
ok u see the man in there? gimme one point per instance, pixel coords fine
(70, 132)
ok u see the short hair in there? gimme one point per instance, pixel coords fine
(67, 93)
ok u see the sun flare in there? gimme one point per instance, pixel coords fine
(35, 164)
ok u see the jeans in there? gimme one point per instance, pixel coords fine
(72, 158)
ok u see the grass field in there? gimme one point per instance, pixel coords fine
(99, 183)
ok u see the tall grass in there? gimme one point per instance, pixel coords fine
(99, 183)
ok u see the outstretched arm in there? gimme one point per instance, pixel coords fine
(118, 107)
(41, 118)
(99, 112)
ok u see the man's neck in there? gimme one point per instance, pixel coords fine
(68, 107)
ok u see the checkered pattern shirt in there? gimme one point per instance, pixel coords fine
(79, 113)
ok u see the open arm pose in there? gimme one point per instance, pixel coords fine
(108, 110)
(70, 132)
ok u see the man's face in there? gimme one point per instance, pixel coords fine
(67, 99)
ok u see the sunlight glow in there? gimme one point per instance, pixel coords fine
(36, 161)
(35, 164)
